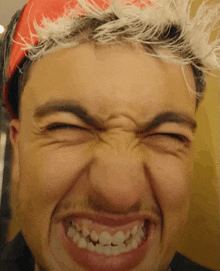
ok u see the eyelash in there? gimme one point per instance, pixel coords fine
(178, 137)
(59, 126)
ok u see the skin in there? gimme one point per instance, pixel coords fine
(60, 170)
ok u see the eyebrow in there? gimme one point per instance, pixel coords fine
(78, 110)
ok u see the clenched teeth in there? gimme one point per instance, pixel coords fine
(105, 243)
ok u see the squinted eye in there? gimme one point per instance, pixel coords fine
(59, 126)
(178, 137)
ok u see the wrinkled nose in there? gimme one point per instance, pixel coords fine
(117, 179)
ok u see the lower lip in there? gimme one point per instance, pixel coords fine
(99, 262)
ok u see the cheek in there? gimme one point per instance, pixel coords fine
(60, 171)
(172, 177)
(50, 174)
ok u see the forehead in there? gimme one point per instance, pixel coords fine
(108, 77)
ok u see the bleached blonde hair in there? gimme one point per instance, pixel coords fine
(165, 26)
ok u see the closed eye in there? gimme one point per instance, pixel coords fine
(179, 137)
(59, 126)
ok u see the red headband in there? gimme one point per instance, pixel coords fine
(34, 10)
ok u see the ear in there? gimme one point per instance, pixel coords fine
(15, 168)
(14, 138)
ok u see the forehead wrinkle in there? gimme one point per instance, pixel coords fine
(131, 103)
(117, 116)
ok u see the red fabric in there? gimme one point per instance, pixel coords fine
(34, 11)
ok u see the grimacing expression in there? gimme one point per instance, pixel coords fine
(114, 161)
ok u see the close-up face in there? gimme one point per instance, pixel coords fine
(104, 152)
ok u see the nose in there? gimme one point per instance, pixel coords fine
(117, 179)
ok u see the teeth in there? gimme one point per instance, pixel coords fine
(91, 247)
(138, 239)
(118, 238)
(85, 231)
(98, 248)
(122, 248)
(82, 243)
(115, 251)
(118, 249)
(105, 238)
(127, 235)
(134, 244)
(133, 239)
(94, 236)
(141, 232)
(78, 227)
(107, 250)
(134, 230)
(76, 237)
(71, 232)
(128, 248)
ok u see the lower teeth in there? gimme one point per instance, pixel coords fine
(107, 250)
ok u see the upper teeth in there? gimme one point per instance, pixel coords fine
(105, 238)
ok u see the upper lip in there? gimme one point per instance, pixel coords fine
(109, 219)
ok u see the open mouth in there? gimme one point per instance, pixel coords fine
(104, 242)
(102, 250)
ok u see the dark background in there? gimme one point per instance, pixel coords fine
(5, 212)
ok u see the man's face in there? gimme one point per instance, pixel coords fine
(126, 166)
